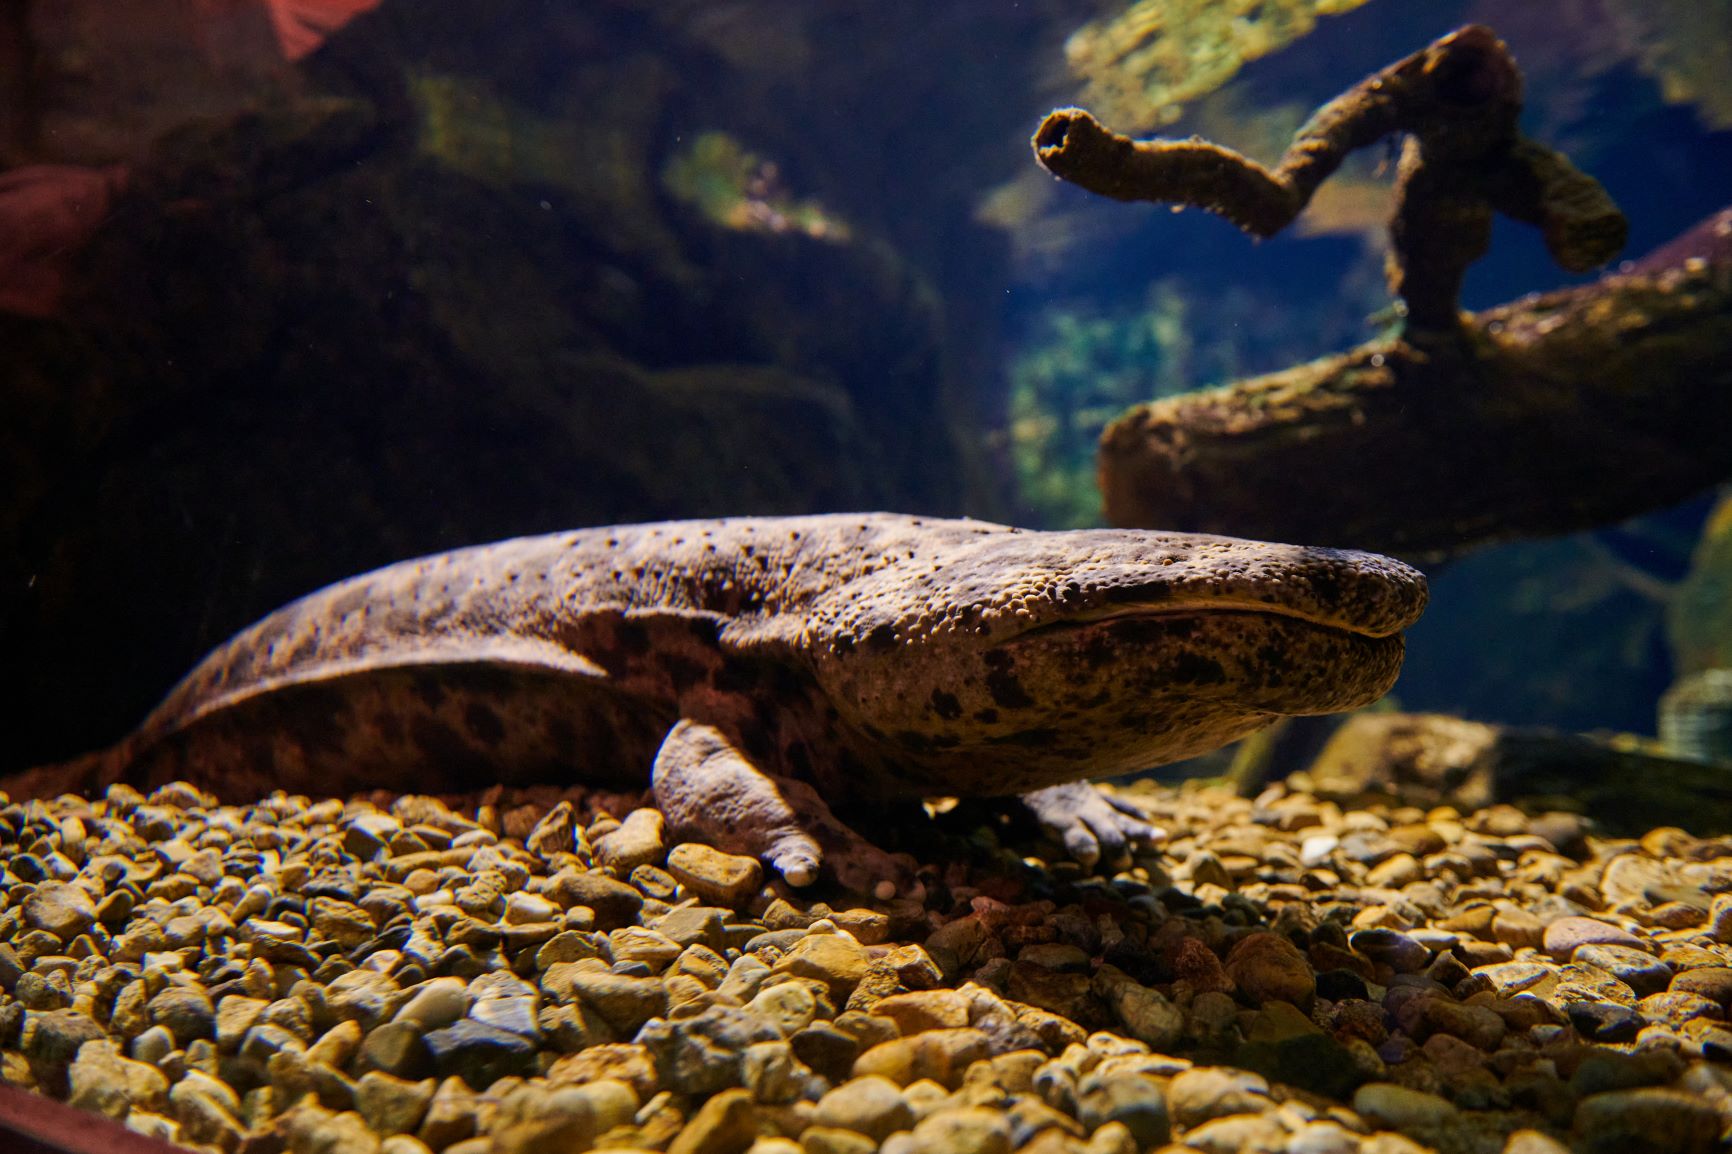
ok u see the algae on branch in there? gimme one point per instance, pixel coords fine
(1686, 45)
(1140, 67)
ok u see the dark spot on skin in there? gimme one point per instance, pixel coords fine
(1326, 586)
(849, 766)
(600, 745)
(436, 740)
(997, 658)
(317, 716)
(1147, 631)
(986, 716)
(704, 629)
(882, 637)
(945, 705)
(684, 672)
(428, 688)
(741, 677)
(483, 723)
(389, 726)
(1098, 652)
(631, 638)
(799, 759)
(1135, 594)
(1195, 669)
(1272, 662)
(786, 682)
(1030, 738)
(561, 737)
(1007, 691)
(913, 740)
(844, 644)
(750, 735)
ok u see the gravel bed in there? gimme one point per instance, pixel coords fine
(330, 977)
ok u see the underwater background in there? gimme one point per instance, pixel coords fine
(294, 289)
(290, 289)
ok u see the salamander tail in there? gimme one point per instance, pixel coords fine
(86, 776)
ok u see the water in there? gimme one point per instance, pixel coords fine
(291, 290)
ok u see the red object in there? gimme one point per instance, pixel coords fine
(47, 213)
(303, 25)
(32, 1124)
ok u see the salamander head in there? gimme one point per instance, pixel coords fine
(1015, 660)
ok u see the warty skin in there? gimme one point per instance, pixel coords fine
(760, 672)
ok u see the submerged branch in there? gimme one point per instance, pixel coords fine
(1456, 101)
(1578, 408)
(1544, 416)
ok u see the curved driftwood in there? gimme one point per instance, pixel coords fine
(1455, 102)
(1547, 415)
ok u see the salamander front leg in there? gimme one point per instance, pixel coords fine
(1093, 825)
(711, 792)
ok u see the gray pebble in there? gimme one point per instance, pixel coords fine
(186, 1013)
(478, 1053)
(701, 1055)
(506, 1002)
(398, 1049)
(60, 909)
(1135, 1100)
(392, 1105)
(1196, 1096)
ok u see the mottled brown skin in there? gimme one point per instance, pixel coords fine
(756, 669)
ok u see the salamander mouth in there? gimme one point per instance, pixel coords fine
(1199, 609)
